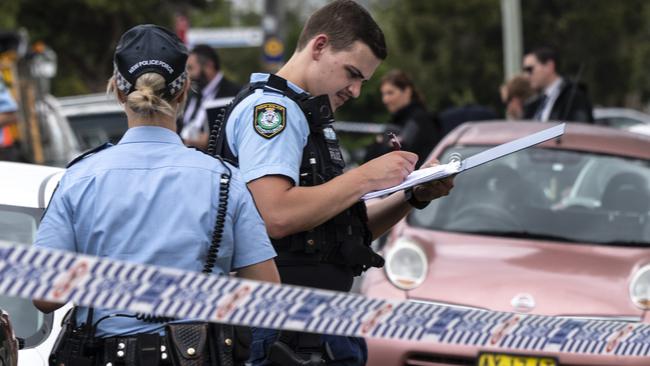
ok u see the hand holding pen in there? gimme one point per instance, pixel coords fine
(394, 141)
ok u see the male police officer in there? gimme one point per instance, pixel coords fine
(288, 153)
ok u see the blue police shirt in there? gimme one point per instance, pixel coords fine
(262, 153)
(149, 199)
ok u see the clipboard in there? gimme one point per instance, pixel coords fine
(458, 166)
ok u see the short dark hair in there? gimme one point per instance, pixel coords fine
(344, 22)
(206, 54)
(545, 54)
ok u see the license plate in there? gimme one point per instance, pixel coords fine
(500, 359)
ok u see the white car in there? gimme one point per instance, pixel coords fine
(94, 119)
(25, 190)
(623, 118)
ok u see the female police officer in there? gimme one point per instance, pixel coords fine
(149, 199)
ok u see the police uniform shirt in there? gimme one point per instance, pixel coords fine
(267, 131)
(149, 199)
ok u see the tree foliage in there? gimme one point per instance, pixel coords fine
(608, 38)
(84, 33)
(453, 49)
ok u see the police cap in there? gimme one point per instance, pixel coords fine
(150, 48)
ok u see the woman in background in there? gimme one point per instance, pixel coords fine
(418, 132)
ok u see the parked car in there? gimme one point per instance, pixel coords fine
(58, 141)
(94, 119)
(25, 191)
(98, 118)
(560, 229)
(642, 129)
(620, 117)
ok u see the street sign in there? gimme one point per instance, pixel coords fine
(273, 50)
(226, 37)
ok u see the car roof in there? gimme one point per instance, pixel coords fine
(577, 136)
(27, 185)
(89, 104)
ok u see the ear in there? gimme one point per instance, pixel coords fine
(318, 45)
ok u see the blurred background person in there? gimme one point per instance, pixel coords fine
(8, 121)
(514, 94)
(208, 84)
(417, 131)
(559, 98)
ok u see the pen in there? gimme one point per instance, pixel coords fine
(394, 141)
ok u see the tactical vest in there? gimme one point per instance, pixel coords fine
(343, 240)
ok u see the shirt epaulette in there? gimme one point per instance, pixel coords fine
(88, 153)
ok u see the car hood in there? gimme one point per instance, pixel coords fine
(562, 279)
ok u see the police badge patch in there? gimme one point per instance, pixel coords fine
(269, 119)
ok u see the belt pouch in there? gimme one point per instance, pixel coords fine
(187, 343)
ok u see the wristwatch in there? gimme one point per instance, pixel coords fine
(410, 198)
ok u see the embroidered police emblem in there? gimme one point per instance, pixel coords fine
(269, 119)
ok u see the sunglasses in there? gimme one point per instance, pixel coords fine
(528, 69)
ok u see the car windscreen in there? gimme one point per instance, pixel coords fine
(553, 194)
(18, 225)
(95, 129)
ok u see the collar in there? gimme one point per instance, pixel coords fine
(554, 88)
(258, 76)
(212, 86)
(150, 134)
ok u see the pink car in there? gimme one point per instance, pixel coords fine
(561, 229)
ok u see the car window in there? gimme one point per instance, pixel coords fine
(95, 129)
(548, 193)
(18, 225)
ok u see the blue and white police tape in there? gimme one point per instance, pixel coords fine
(103, 283)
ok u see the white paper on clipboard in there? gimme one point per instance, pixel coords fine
(444, 170)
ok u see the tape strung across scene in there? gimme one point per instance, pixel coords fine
(91, 281)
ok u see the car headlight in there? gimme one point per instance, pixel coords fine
(640, 288)
(406, 264)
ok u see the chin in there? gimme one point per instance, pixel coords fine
(335, 103)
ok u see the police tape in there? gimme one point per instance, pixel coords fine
(103, 283)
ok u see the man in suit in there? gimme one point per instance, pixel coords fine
(209, 89)
(559, 98)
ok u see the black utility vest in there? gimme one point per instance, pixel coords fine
(344, 240)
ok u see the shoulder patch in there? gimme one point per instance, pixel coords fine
(269, 119)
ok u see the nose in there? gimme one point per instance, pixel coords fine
(355, 89)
